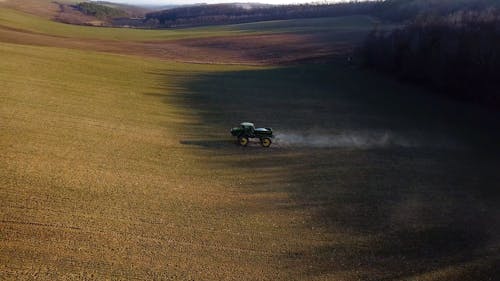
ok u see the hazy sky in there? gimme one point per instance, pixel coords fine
(166, 2)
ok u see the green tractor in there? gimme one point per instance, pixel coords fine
(247, 131)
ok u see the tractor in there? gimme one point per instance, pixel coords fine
(247, 131)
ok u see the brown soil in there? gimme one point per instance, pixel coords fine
(244, 49)
(267, 49)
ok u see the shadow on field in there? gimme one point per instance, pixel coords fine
(209, 143)
(409, 211)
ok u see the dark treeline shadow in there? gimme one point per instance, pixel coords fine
(457, 55)
(414, 210)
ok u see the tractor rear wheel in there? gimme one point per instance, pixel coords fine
(243, 141)
(265, 142)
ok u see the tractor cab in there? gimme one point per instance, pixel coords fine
(248, 128)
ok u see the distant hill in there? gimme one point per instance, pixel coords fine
(104, 13)
(100, 11)
(389, 10)
(205, 14)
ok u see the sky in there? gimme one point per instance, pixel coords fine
(167, 2)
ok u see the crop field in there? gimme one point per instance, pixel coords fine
(14, 19)
(120, 166)
(251, 44)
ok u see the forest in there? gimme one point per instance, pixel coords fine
(457, 54)
(249, 12)
(100, 11)
(389, 10)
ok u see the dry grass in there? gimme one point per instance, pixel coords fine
(96, 183)
(94, 180)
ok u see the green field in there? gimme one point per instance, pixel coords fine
(94, 177)
(350, 24)
(14, 19)
(118, 167)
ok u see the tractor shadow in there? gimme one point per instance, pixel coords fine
(222, 144)
(212, 144)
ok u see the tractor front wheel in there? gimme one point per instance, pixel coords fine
(265, 142)
(243, 141)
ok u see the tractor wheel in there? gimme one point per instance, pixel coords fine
(243, 141)
(265, 142)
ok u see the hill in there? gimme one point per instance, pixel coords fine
(395, 11)
(249, 12)
(43, 8)
(252, 43)
(76, 11)
(100, 11)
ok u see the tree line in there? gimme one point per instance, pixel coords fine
(457, 54)
(388, 10)
(99, 11)
(408, 10)
(239, 13)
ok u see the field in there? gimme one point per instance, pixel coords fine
(256, 43)
(117, 165)
(14, 19)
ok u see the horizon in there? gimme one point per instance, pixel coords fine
(187, 2)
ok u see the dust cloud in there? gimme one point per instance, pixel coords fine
(351, 139)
